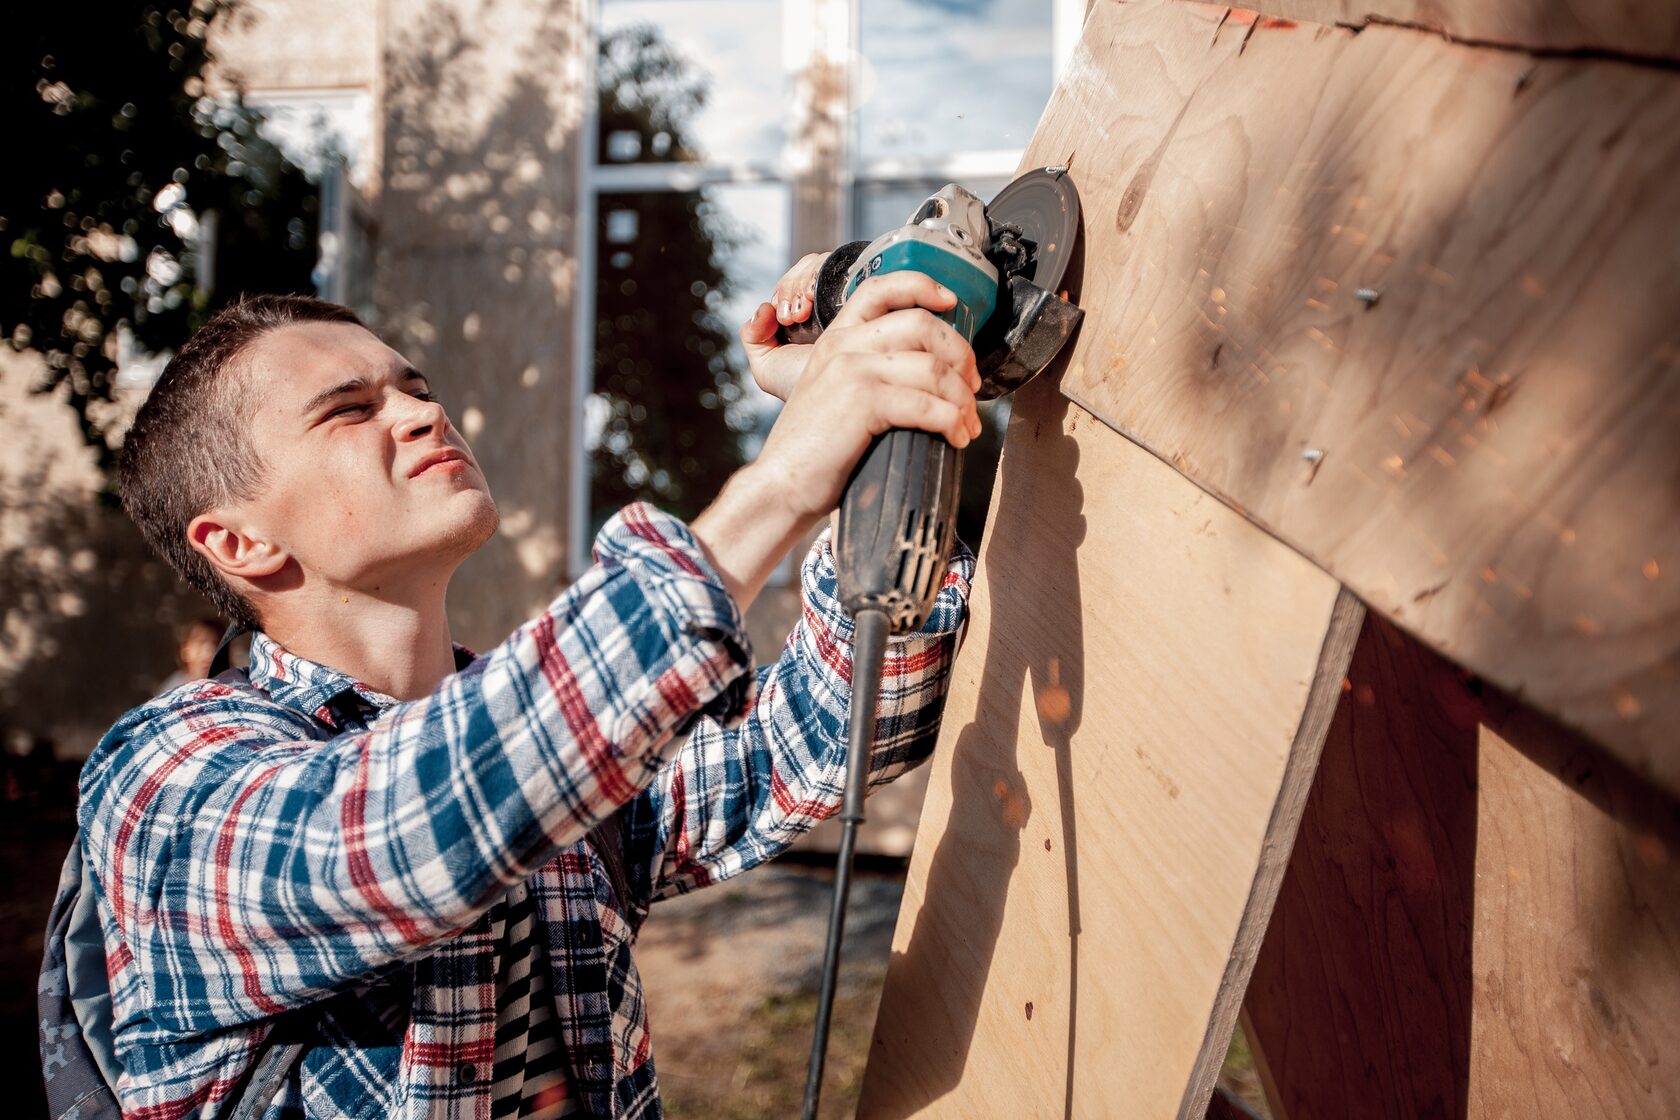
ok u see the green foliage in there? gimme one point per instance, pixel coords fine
(114, 157)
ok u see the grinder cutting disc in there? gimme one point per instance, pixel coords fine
(1033, 322)
(1045, 206)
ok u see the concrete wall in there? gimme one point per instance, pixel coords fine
(299, 44)
(87, 615)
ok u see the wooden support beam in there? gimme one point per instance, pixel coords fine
(1132, 728)
(1409, 306)
(1481, 916)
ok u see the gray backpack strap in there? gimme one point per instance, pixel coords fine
(75, 1083)
(268, 1076)
(607, 838)
(224, 652)
(89, 984)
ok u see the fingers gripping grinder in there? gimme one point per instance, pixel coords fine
(1005, 263)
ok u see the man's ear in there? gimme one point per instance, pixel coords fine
(232, 548)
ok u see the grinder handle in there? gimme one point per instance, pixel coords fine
(897, 525)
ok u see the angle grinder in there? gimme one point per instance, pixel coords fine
(1006, 262)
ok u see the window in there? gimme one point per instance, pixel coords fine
(329, 134)
(698, 186)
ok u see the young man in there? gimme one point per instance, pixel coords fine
(431, 866)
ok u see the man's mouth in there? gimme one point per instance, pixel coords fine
(436, 459)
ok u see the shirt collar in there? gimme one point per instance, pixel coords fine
(318, 691)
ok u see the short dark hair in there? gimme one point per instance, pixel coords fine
(190, 450)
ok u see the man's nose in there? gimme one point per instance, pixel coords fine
(420, 418)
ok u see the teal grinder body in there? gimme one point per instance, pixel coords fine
(898, 515)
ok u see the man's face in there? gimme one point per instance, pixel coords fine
(364, 480)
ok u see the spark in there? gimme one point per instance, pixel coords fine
(1442, 456)
(1627, 704)
(1650, 568)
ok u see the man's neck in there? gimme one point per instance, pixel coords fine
(399, 647)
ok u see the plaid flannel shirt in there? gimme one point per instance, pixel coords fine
(283, 837)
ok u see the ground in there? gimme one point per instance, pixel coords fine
(731, 975)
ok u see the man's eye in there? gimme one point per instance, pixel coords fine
(348, 410)
(425, 395)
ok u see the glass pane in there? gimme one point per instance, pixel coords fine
(945, 76)
(691, 81)
(674, 409)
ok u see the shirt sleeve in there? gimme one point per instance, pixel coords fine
(248, 866)
(736, 796)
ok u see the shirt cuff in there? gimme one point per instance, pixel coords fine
(660, 553)
(821, 586)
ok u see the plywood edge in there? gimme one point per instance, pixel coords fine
(1643, 33)
(1347, 616)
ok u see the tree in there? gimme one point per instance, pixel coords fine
(116, 157)
(672, 430)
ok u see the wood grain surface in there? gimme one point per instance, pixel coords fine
(1107, 816)
(1481, 916)
(1409, 305)
(1637, 27)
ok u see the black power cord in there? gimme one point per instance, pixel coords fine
(869, 644)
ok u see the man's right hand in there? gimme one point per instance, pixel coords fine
(885, 362)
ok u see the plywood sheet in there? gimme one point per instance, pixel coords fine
(1482, 448)
(1481, 917)
(1636, 27)
(1131, 729)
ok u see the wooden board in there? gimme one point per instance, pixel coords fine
(1131, 730)
(1481, 916)
(1485, 454)
(1636, 27)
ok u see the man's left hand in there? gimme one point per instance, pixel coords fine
(777, 366)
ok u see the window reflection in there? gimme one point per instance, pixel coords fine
(674, 410)
(686, 81)
(947, 76)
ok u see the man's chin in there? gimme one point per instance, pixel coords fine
(474, 522)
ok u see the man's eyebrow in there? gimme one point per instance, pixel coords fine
(355, 385)
(343, 388)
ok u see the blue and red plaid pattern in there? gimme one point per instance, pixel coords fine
(284, 837)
